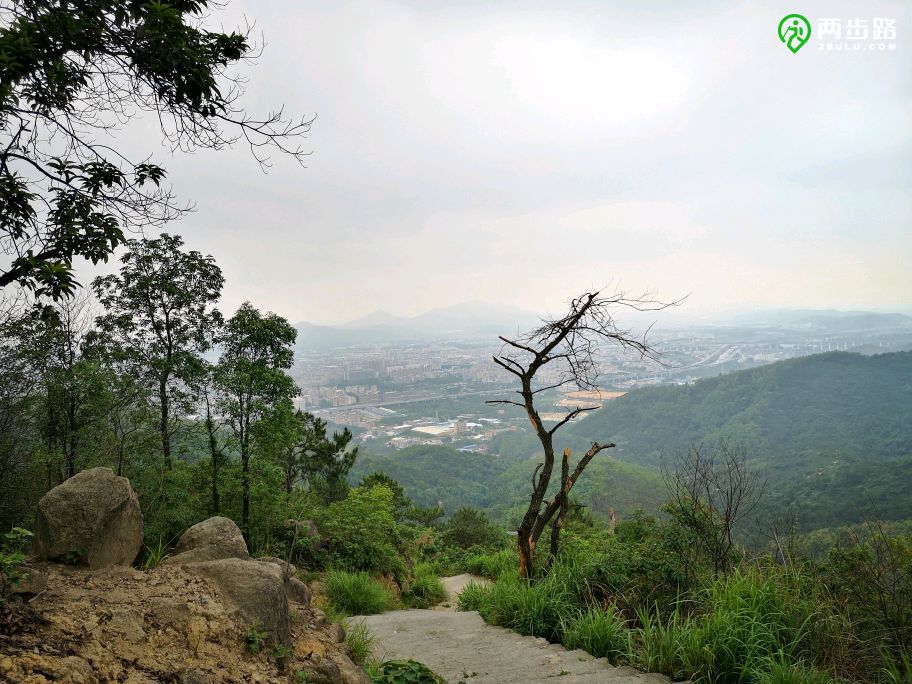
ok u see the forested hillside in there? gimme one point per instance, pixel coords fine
(831, 431)
(433, 475)
(836, 403)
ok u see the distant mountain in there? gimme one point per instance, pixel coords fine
(823, 320)
(468, 321)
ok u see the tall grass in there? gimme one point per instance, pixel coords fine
(504, 563)
(360, 642)
(601, 632)
(425, 590)
(356, 593)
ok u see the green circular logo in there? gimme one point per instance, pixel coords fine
(794, 31)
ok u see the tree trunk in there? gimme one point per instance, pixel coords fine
(213, 453)
(165, 434)
(245, 478)
(564, 495)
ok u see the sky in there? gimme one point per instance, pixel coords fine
(523, 152)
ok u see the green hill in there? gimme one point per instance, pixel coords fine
(833, 432)
(500, 486)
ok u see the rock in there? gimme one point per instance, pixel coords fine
(126, 623)
(297, 591)
(92, 518)
(255, 589)
(32, 583)
(213, 539)
(288, 569)
(323, 672)
(191, 675)
(75, 670)
(351, 673)
(337, 632)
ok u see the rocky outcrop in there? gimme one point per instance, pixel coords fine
(213, 539)
(93, 518)
(256, 590)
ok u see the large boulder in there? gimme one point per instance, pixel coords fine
(92, 518)
(213, 539)
(255, 590)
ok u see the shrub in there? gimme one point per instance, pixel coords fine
(12, 556)
(254, 638)
(356, 593)
(361, 531)
(469, 527)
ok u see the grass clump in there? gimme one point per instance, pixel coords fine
(600, 632)
(360, 643)
(356, 593)
(425, 590)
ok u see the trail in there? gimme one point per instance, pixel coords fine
(461, 647)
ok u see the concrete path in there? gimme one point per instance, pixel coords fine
(461, 647)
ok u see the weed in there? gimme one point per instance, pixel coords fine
(360, 643)
(254, 638)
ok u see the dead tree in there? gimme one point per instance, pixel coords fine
(711, 492)
(569, 343)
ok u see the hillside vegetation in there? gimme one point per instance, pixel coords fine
(830, 431)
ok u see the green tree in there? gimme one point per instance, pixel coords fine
(326, 460)
(161, 318)
(257, 349)
(280, 438)
(71, 75)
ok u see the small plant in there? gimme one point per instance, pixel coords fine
(405, 672)
(360, 643)
(301, 677)
(356, 593)
(254, 638)
(281, 656)
(12, 556)
(154, 554)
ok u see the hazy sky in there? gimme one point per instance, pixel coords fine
(520, 152)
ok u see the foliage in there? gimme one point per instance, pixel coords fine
(360, 642)
(257, 349)
(255, 638)
(873, 577)
(160, 318)
(361, 532)
(154, 554)
(356, 593)
(469, 528)
(405, 672)
(72, 75)
(425, 589)
(602, 632)
(12, 556)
